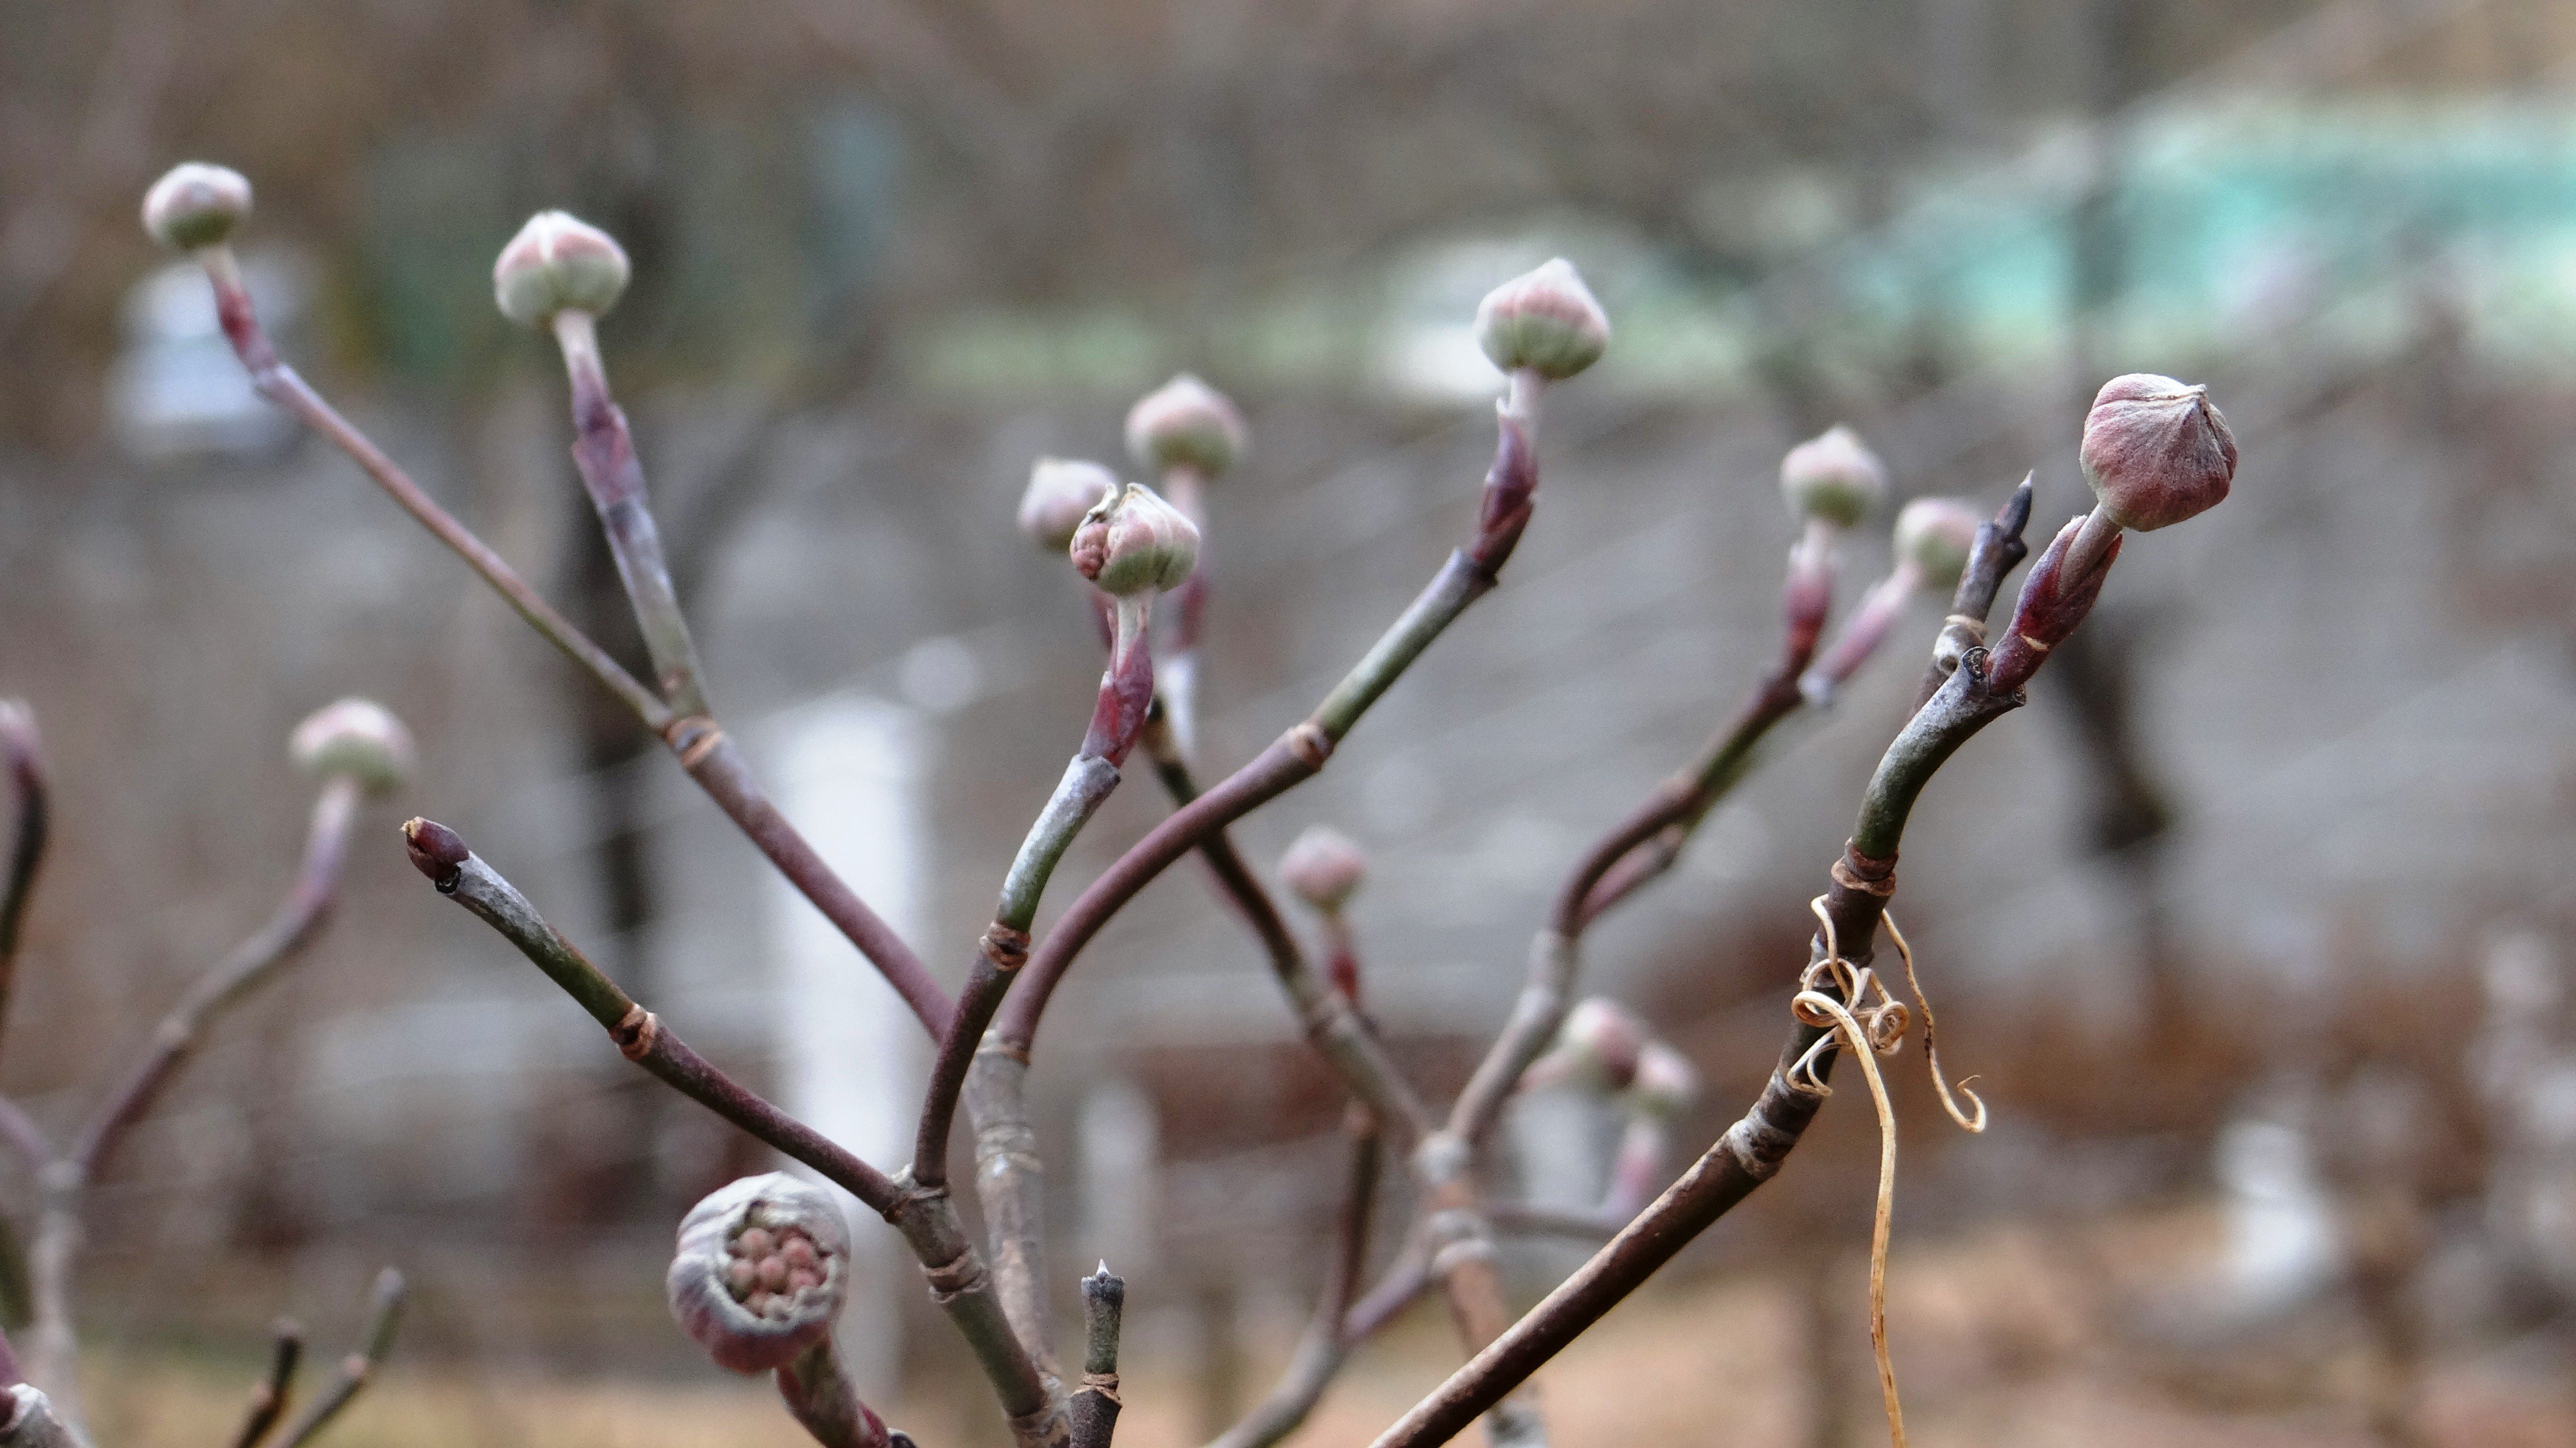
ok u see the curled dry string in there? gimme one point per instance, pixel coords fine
(1878, 1031)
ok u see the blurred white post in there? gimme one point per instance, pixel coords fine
(849, 774)
(1122, 1155)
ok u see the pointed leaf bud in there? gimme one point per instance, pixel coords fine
(1833, 478)
(762, 1266)
(1133, 542)
(1061, 491)
(558, 262)
(1546, 321)
(1324, 867)
(195, 205)
(1935, 535)
(2155, 451)
(1185, 424)
(356, 737)
(1667, 1083)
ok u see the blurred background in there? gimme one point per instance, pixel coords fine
(2255, 927)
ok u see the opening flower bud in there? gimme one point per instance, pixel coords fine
(356, 737)
(195, 205)
(558, 262)
(1934, 535)
(2155, 451)
(1133, 542)
(1833, 478)
(1061, 491)
(1185, 424)
(762, 1266)
(1546, 321)
(1667, 1083)
(1324, 867)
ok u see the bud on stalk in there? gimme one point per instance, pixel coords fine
(1061, 493)
(1185, 425)
(2155, 452)
(355, 737)
(1131, 545)
(2053, 601)
(760, 1272)
(1933, 536)
(195, 205)
(1599, 1047)
(1833, 478)
(1324, 868)
(558, 263)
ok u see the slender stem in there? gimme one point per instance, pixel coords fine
(702, 748)
(927, 1218)
(22, 754)
(1095, 1406)
(464, 877)
(23, 1137)
(711, 758)
(53, 1343)
(1503, 511)
(268, 1401)
(1998, 548)
(277, 382)
(1321, 1352)
(1176, 676)
(1404, 1280)
(1010, 1181)
(250, 965)
(604, 452)
(1332, 1023)
(826, 1404)
(358, 1367)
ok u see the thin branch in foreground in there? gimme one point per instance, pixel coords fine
(22, 754)
(358, 1367)
(1321, 1351)
(268, 1401)
(1096, 1404)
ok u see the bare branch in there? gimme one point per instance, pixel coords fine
(1095, 1406)
(1321, 1352)
(268, 1401)
(22, 754)
(375, 1339)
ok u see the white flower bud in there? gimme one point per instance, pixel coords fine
(1185, 423)
(2155, 451)
(1324, 867)
(1061, 492)
(1935, 535)
(1666, 1083)
(1545, 320)
(761, 1269)
(1833, 478)
(1133, 542)
(558, 262)
(1599, 1043)
(195, 205)
(356, 737)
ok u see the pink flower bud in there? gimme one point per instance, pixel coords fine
(1601, 1042)
(1833, 478)
(1185, 423)
(762, 1266)
(1324, 867)
(1061, 491)
(356, 737)
(2155, 451)
(557, 263)
(195, 205)
(1666, 1083)
(1132, 542)
(1935, 535)
(1545, 320)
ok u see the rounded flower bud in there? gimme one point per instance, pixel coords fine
(1934, 535)
(2155, 451)
(1667, 1083)
(356, 737)
(195, 205)
(1602, 1041)
(558, 262)
(1545, 320)
(1185, 423)
(1324, 867)
(762, 1266)
(1132, 542)
(1061, 491)
(1833, 478)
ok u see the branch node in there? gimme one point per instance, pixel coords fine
(1309, 744)
(1007, 950)
(635, 1032)
(693, 739)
